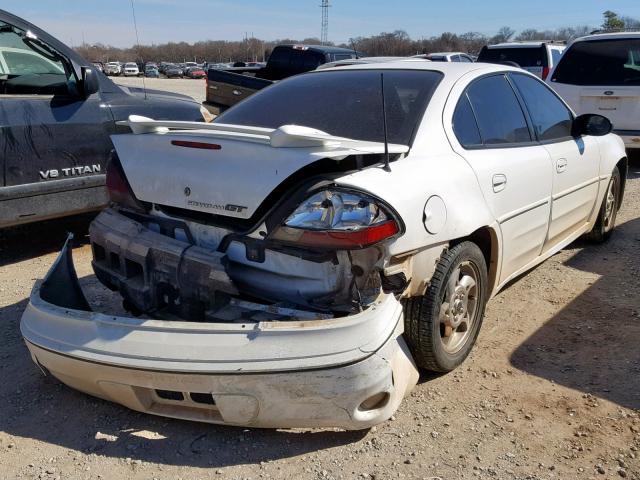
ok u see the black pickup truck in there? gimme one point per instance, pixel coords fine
(57, 112)
(227, 87)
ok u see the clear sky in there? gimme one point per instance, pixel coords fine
(110, 21)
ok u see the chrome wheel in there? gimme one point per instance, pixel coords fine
(610, 206)
(459, 307)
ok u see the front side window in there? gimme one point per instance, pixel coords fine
(345, 103)
(30, 66)
(551, 119)
(498, 113)
(600, 62)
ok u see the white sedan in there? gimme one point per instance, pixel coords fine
(290, 264)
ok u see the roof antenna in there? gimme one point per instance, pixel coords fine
(135, 27)
(387, 168)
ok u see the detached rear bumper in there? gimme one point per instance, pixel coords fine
(318, 373)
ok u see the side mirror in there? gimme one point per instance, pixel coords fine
(591, 124)
(90, 82)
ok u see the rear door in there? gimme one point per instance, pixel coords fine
(513, 170)
(602, 76)
(576, 161)
(49, 133)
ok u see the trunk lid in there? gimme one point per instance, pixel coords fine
(222, 169)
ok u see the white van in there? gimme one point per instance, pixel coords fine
(600, 73)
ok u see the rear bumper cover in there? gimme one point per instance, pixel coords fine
(272, 374)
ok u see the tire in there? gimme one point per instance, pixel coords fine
(441, 339)
(606, 221)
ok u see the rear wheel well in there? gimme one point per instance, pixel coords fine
(486, 239)
(623, 167)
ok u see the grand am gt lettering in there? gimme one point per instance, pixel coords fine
(213, 206)
(70, 171)
(374, 230)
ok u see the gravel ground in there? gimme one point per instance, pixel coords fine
(551, 391)
(187, 86)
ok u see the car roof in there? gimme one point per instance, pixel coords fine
(317, 48)
(608, 36)
(444, 54)
(452, 69)
(526, 44)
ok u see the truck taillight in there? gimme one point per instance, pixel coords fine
(118, 187)
(545, 72)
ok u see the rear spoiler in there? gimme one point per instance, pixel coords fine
(286, 136)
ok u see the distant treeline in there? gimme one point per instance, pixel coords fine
(397, 43)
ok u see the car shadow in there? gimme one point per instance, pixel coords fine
(591, 345)
(35, 239)
(39, 407)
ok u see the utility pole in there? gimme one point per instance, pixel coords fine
(324, 35)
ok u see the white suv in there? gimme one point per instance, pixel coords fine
(601, 74)
(131, 69)
(538, 57)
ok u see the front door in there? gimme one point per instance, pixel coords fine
(513, 170)
(49, 133)
(575, 160)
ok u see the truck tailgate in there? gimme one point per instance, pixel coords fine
(225, 89)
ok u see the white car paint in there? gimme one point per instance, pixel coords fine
(317, 371)
(130, 69)
(446, 57)
(619, 103)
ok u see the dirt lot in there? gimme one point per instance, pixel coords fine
(551, 391)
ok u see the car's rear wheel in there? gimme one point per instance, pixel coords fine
(606, 220)
(441, 326)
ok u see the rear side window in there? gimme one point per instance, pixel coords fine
(551, 118)
(600, 62)
(555, 55)
(499, 116)
(464, 124)
(523, 56)
(345, 103)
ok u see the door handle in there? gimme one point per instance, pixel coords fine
(237, 93)
(561, 165)
(499, 182)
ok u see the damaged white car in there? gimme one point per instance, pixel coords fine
(294, 263)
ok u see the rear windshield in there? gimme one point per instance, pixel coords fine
(345, 103)
(600, 62)
(523, 56)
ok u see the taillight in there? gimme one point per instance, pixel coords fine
(118, 188)
(545, 72)
(335, 219)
